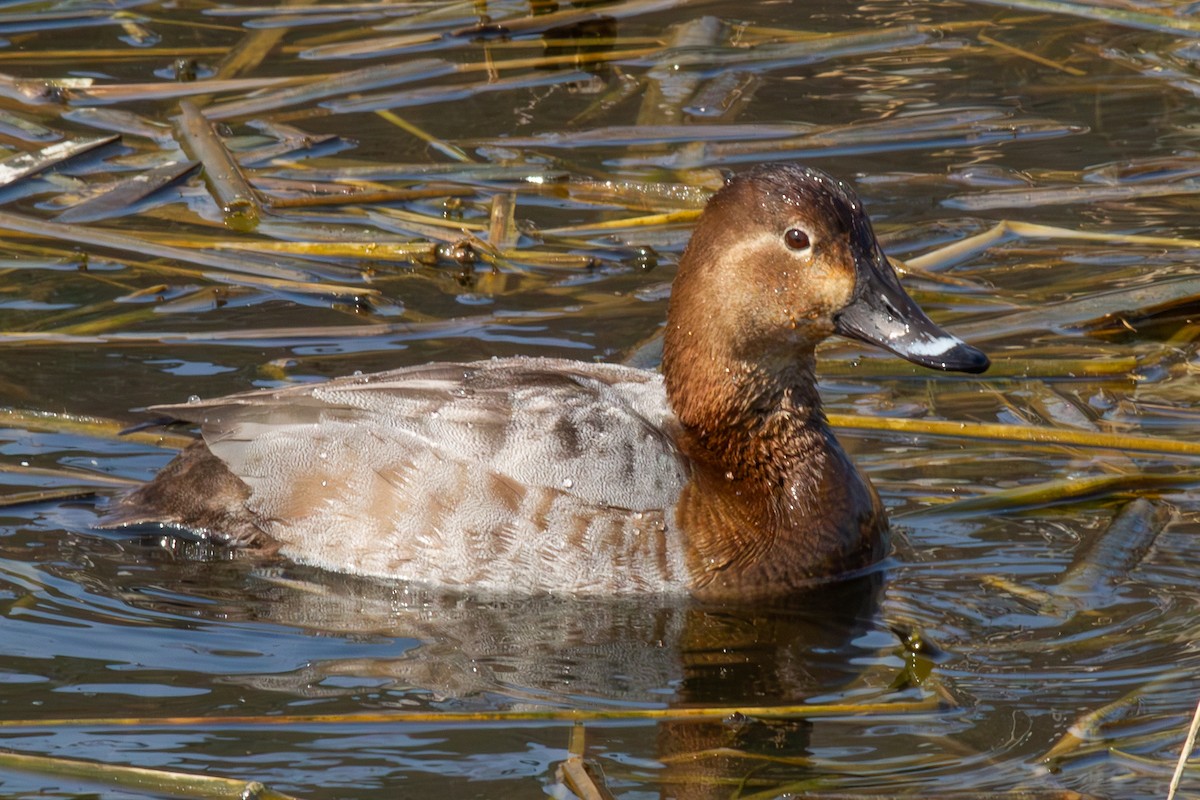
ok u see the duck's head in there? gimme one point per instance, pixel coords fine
(783, 257)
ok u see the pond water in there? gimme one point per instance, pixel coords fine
(1055, 656)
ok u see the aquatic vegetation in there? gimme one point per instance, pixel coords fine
(202, 199)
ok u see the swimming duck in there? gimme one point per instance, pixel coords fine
(720, 477)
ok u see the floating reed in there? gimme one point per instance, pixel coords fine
(117, 198)
(234, 195)
(93, 427)
(1184, 754)
(1063, 490)
(141, 245)
(1180, 26)
(802, 711)
(23, 165)
(138, 779)
(1018, 433)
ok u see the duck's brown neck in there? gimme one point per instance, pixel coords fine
(773, 501)
(752, 418)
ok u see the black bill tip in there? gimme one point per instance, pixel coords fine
(943, 352)
(898, 325)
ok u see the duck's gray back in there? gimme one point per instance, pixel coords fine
(513, 474)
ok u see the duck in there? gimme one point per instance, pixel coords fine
(717, 477)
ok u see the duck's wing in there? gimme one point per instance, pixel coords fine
(515, 460)
(603, 432)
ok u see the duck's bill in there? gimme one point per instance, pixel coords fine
(884, 315)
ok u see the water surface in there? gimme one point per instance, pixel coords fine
(943, 131)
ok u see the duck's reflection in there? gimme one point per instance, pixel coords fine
(770, 654)
(571, 652)
(470, 652)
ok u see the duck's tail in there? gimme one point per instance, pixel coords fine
(195, 492)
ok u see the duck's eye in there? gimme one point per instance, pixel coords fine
(796, 239)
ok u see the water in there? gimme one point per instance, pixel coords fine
(159, 633)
